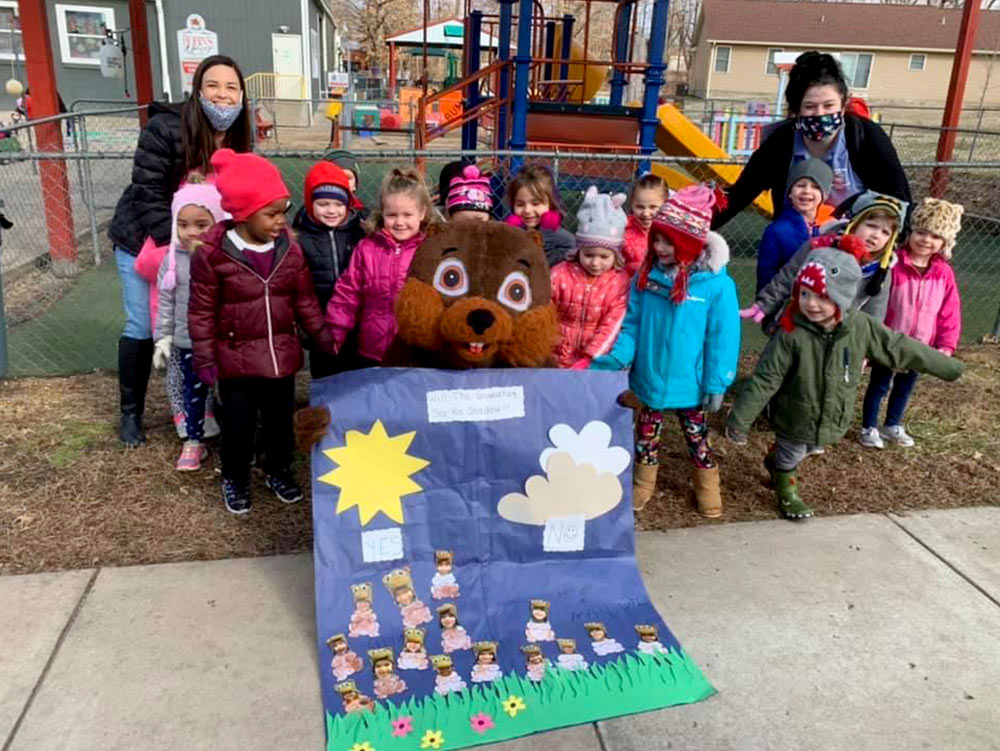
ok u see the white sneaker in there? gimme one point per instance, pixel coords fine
(211, 426)
(871, 439)
(897, 434)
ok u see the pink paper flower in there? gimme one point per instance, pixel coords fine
(402, 726)
(481, 723)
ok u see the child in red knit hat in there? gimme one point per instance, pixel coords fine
(250, 293)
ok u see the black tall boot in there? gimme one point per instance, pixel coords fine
(135, 359)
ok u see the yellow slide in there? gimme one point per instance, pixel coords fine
(678, 136)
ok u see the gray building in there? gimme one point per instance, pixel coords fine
(300, 40)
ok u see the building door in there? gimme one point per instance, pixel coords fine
(286, 52)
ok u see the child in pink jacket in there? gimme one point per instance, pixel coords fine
(648, 194)
(923, 304)
(365, 294)
(590, 290)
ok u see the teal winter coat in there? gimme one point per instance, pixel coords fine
(680, 353)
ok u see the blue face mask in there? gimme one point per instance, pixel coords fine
(221, 116)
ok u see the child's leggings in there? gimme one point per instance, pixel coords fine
(694, 426)
(789, 454)
(879, 383)
(195, 393)
(175, 385)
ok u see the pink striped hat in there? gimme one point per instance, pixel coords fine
(469, 191)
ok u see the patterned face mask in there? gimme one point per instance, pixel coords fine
(818, 127)
(221, 116)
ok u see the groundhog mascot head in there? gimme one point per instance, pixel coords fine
(478, 296)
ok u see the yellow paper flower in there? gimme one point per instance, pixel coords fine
(513, 705)
(432, 739)
(366, 746)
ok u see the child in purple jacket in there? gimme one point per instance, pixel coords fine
(923, 304)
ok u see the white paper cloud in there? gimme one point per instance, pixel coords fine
(569, 489)
(592, 446)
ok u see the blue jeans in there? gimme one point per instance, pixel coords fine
(881, 380)
(135, 297)
(195, 393)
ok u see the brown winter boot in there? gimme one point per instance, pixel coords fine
(706, 492)
(643, 484)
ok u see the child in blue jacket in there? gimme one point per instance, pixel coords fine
(681, 338)
(802, 215)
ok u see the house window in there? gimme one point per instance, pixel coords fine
(10, 31)
(722, 59)
(918, 61)
(770, 68)
(857, 68)
(82, 32)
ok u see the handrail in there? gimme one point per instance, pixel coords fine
(423, 135)
(70, 116)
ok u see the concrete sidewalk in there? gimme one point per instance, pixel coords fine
(854, 633)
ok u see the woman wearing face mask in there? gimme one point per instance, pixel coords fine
(855, 148)
(177, 140)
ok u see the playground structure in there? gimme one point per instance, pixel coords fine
(537, 88)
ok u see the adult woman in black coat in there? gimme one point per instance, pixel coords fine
(177, 139)
(856, 149)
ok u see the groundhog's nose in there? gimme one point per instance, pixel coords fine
(480, 320)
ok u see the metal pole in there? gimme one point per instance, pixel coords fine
(503, 53)
(956, 92)
(88, 190)
(654, 77)
(621, 53)
(567, 42)
(473, 28)
(550, 48)
(3, 316)
(140, 55)
(522, 69)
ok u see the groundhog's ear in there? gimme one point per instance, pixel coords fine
(433, 228)
(536, 237)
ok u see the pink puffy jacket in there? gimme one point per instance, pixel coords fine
(636, 245)
(925, 306)
(147, 265)
(365, 294)
(590, 310)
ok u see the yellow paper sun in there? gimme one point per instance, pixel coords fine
(373, 472)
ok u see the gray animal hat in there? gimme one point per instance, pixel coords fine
(816, 170)
(828, 272)
(601, 222)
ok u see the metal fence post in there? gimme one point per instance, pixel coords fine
(89, 194)
(3, 317)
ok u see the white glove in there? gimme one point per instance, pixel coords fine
(161, 352)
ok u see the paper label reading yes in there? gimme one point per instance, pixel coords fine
(382, 545)
(564, 534)
(475, 405)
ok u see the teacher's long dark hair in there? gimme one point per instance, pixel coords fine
(197, 134)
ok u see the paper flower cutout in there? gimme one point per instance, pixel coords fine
(481, 723)
(402, 726)
(570, 489)
(513, 705)
(366, 746)
(592, 446)
(432, 739)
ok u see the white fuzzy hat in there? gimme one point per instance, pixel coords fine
(601, 222)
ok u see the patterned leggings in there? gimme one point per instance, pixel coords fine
(175, 386)
(694, 426)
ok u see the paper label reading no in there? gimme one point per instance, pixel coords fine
(382, 545)
(564, 534)
(475, 405)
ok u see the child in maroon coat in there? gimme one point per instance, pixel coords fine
(250, 290)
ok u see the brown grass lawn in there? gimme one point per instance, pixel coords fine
(71, 497)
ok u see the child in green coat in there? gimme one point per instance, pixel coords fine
(810, 371)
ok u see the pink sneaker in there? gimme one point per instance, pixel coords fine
(192, 455)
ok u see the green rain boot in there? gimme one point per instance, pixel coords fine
(787, 486)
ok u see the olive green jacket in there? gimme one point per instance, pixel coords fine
(811, 376)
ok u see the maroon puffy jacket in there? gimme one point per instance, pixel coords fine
(243, 324)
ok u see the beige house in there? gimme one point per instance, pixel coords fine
(891, 54)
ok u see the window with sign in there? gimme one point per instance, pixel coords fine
(82, 32)
(10, 31)
(857, 67)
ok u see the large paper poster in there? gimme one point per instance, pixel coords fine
(475, 569)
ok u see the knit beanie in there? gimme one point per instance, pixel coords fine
(816, 170)
(856, 208)
(469, 191)
(829, 273)
(601, 222)
(202, 194)
(685, 218)
(939, 217)
(349, 163)
(247, 182)
(326, 180)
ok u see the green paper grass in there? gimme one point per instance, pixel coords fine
(632, 683)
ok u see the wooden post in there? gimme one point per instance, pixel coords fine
(140, 55)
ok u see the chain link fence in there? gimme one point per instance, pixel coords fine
(65, 318)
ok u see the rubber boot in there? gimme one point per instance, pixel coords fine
(643, 484)
(707, 492)
(789, 501)
(135, 360)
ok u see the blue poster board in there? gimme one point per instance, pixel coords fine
(475, 564)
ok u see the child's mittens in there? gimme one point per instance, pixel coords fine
(712, 402)
(514, 221)
(550, 220)
(582, 364)
(161, 352)
(754, 313)
(607, 362)
(208, 375)
(736, 436)
(310, 425)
